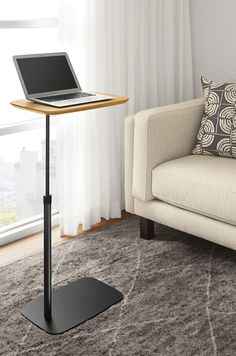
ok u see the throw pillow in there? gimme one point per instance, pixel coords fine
(217, 132)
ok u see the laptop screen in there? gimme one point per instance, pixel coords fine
(46, 74)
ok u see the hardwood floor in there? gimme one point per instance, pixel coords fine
(30, 244)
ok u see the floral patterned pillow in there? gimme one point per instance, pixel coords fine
(217, 133)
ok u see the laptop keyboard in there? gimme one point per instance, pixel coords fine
(79, 94)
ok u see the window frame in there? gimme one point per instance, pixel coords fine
(26, 227)
(30, 23)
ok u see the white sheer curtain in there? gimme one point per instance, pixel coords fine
(138, 48)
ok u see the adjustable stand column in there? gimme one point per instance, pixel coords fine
(47, 202)
(66, 307)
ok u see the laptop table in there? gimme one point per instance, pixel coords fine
(61, 309)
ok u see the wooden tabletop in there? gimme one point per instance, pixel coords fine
(50, 110)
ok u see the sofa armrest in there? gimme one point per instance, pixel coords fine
(162, 134)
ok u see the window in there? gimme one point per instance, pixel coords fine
(22, 172)
(25, 27)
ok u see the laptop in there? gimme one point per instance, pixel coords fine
(49, 78)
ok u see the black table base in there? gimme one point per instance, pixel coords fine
(72, 305)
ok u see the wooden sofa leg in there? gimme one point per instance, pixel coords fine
(146, 228)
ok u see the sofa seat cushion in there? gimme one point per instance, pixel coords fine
(202, 184)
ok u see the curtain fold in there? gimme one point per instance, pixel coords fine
(138, 48)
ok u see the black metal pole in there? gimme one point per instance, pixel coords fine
(47, 201)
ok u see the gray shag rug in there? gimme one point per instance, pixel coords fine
(179, 296)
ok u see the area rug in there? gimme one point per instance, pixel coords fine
(179, 296)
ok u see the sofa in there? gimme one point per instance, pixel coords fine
(166, 183)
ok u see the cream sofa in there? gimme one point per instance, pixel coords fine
(165, 183)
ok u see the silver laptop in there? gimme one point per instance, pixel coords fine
(49, 78)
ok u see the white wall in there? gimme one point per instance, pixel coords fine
(213, 40)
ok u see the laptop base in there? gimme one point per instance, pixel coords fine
(82, 101)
